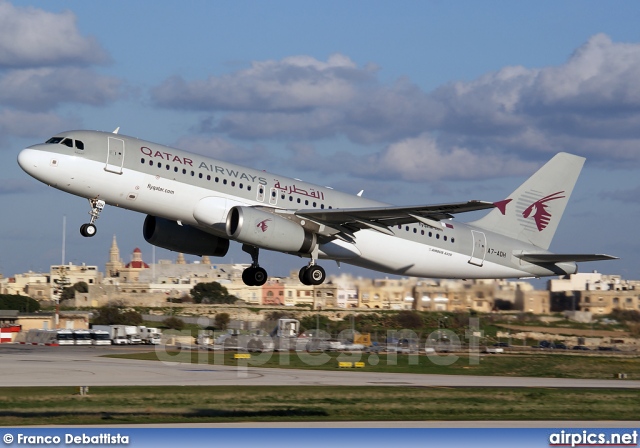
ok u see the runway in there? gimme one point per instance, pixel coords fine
(24, 365)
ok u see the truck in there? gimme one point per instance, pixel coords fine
(149, 335)
(117, 335)
(205, 337)
(283, 338)
(132, 334)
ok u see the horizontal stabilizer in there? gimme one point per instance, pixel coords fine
(562, 258)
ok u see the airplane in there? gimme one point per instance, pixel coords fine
(197, 205)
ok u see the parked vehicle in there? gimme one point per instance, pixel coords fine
(81, 337)
(100, 337)
(493, 350)
(117, 335)
(580, 347)
(65, 337)
(608, 349)
(132, 334)
(149, 335)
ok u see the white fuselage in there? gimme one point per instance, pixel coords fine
(199, 191)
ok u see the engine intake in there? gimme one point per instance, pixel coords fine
(186, 239)
(269, 231)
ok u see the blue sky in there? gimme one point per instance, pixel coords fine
(415, 102)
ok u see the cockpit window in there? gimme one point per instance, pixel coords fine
(54, 140)
(67, 142)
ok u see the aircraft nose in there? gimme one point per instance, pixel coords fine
(28, 160)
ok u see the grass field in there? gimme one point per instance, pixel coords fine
(140, 405)
(546, 365)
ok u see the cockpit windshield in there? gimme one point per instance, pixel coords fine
(54, 140)
(66, 141)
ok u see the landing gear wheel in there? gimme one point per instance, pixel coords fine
(312, 275)
(88, 230)
(246, 277)
(260, 276)
(315, 275)
(302, 273)
(254, 276)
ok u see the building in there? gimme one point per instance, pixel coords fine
(62, 276)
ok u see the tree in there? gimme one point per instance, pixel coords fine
(221, 321)
(70, 292)
(131, 318)
(173, 323)
(212, 292)
(23, 304)
(114, 314)
(409, 319)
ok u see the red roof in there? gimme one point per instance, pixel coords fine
(137, 265)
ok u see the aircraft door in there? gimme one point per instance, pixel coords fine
(115, 155)
(479, 250)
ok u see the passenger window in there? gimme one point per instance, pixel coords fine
(79, 144)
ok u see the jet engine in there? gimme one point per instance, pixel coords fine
(269, 231)
(186, 239)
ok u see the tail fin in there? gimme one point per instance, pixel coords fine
(533, 211)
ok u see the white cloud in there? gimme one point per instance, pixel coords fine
(45, 88)
(32, 125)
(422, 159)
(31, 37)
(291, 85)
(504, 122)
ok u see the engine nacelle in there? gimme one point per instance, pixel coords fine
(266, 230)
(186, 239)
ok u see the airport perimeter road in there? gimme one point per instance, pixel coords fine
(23, 365)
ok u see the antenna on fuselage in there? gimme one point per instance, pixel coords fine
(360, 194)
(116, 130)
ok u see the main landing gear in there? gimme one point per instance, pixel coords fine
(312, 274)
(89, 229)
(254, 275)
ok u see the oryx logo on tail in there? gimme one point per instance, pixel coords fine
(541, 215)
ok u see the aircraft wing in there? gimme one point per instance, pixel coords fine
(381, 218)
(560, 258)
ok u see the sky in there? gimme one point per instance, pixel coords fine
(417, 102)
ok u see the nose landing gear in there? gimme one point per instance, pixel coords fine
(89, 229)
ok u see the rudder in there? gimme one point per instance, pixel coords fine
(532, 212)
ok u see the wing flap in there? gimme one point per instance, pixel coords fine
(562, 258)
